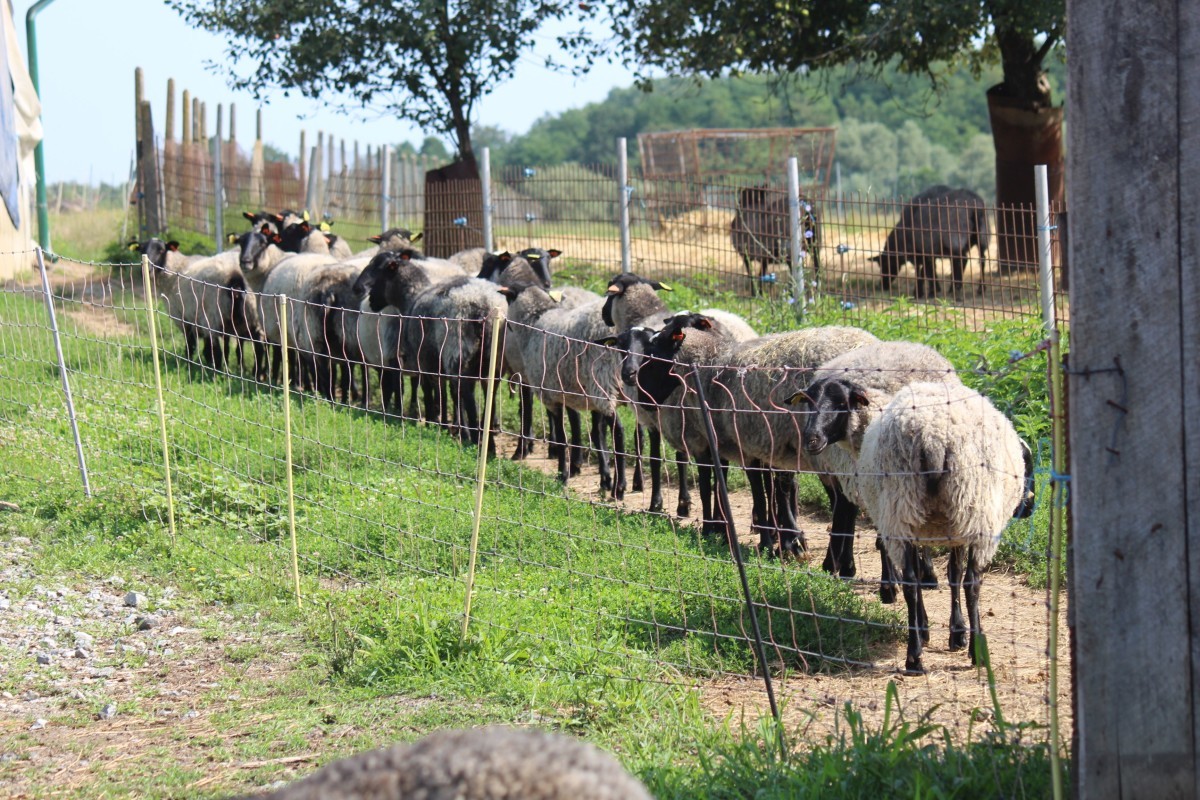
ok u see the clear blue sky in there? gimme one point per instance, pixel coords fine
(88, 50)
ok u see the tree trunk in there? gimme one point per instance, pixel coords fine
(1026, 131)
(453, 193)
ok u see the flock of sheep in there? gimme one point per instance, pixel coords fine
(887, 426)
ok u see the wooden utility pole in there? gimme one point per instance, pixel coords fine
(1134, 387)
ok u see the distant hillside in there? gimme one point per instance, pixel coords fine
(894, 135)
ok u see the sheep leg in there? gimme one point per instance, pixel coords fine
(974, 579)
(213, 351)
(710, 524)
(578, 455)
(750, 275)
(525, 439)
(558, 434)
(599, 425)
(928, 574)
(783, 512)
(684, 507)
(958, 628)
(913, 600)
(760, 504)
(618, 433)
(261, 368)
(887, 578)
(839, 555)
(391, 391)
(957, 265)
(656, 499)
(189, 343)
(638, 478)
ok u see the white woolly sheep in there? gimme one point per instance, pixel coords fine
(937, 465)
(494, 763)
(884, 367)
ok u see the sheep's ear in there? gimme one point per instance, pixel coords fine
(173, 245)
(305, 216)
(875, 259)
(554, 253)
(134, 245)
(249, 216)
(613, 289)
(277, 217)
(507, 291)
(678, 336)
(858, 398)
(505, 257)
(608, 341)
(800, 397)
(375, 239)
(556, 296)
(661, 286)
(231, 238)
(326, 227)
(702, 323)
(416, 237)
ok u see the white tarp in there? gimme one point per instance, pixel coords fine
(19, 239)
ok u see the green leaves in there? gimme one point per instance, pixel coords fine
(427, 62)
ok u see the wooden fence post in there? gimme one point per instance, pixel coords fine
(1134, 396)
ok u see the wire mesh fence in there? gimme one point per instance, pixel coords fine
(582, 568)
(724, 232)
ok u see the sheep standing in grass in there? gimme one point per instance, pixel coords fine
(494, 763)
(760, 230)
(446, 336)
(206, 296)
(569, 371)
(937, 465)
(884, 367)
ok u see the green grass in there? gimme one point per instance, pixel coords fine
(589, 617)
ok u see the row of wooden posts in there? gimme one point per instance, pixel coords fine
(176, 187)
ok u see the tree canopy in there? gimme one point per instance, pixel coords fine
(929, 37)
(424, 61)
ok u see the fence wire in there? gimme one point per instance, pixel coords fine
(582, 568)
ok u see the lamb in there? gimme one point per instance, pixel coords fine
(937, 464)
(494, 763)
(940, 222)
(206, 295)
(884, 367)
(760, 230)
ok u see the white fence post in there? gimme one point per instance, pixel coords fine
(624, 190)
(798, 252)
(485, 177)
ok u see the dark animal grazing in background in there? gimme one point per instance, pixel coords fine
(940, 222)
(760, 230)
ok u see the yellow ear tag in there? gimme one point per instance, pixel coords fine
(556, 296)
(326, 227)
(664, 287)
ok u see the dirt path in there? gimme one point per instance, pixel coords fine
(1015, 618)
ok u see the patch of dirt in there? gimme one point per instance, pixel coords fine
(1015, 619)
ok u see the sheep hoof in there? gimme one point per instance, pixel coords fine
(618, 492)
(958, 640)
(656, 505)
(913, 666)
(794, 546)
(637, 485)
(713, 528)
(887, 593)
(683, 509)
(606, 483)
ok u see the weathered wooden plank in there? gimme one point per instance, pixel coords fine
(1189, 304)
(1134, 701)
